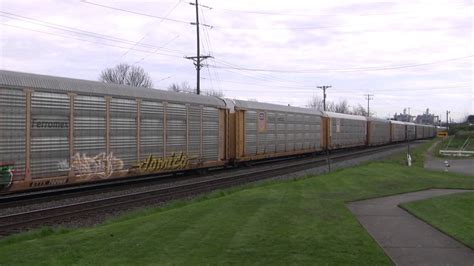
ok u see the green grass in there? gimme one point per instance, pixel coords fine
(455, 143)
(301, 221)
(452, 214)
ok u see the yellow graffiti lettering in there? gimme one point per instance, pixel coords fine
(173, 162)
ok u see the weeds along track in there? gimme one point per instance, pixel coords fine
(64, 213)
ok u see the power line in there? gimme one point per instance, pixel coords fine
(146, 56)
(159, 22)
(207, 41)
(133, 12)
(84, 40)
(260, 76)
(307, 89)
(360, 69)
(274, 13)
(67, 29)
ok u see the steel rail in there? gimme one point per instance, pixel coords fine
(55, 215)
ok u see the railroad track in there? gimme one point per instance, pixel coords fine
(13, 223)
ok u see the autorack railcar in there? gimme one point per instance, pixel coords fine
(397, 131)
(265, 130)
(411, 130)
(345, 131)
(59, 130)
(378, 131)
(56, 131)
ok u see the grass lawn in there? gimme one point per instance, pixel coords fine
(456, 142)
(301, 221)
(452, 214)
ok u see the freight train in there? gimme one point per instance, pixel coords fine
(56, 131)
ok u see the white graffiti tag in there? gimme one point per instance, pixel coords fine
(100, 166)
(63, 165)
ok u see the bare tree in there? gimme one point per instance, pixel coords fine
(183, 87)
(127, 75)
(342, 107)
(359, 110)
(316, 103)
(330, 106)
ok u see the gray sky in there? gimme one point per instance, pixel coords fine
(410, 54)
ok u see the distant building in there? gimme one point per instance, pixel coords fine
(427, 118)
(470, 120)
(403, 117)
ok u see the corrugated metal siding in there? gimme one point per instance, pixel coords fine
(123, 130)
(49, 134)
(250, 133)
(348, 132)
(175, 129)
(285, 132)
(89, 125)
(420, 131)
(411, 132)
(210, 127)
(94, 88)
(270, 137)
(151, 126)
(194, 116)
(281, 132)
(12, 130)
(398, 132)
(380, 132)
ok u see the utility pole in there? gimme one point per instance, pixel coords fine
(447, 121)
(198, 58)
(324, 94)
(368, 96)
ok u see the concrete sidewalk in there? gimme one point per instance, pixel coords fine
(463, 166)
(406, 239)
(457, 165)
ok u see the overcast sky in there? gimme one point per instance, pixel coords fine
(409, 54)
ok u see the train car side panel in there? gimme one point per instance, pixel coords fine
(12, 136)
(267, 130)
(398, 131)
(378, 131)
(346, 131)
(56, 131)
(411, 131)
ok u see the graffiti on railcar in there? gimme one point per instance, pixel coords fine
(49, 182)
(46, 124)
(63, 165)
(6, 175)
(174, 162)
(100, 166)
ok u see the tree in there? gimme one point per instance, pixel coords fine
(186, 88)
(359, 110)
(126, 74)
(315, 103)
(342, 107)
(183, 87)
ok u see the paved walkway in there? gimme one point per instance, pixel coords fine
(463, 166)
(406, 239)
